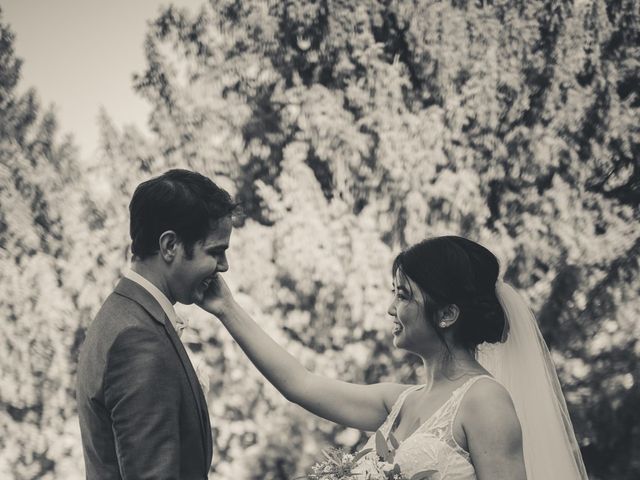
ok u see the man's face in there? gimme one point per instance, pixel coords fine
(190, 277)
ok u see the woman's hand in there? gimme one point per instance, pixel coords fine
(217, 298)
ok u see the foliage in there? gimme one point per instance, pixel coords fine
(348, 130)
(38, 423)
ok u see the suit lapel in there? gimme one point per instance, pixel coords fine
(138, 294)
(198, 394)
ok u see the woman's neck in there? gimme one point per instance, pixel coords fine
(449, 365)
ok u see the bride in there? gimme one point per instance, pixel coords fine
(491, 406)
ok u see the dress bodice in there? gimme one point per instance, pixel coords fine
(431, 446)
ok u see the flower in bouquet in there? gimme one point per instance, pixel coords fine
(341, 465)
(337, 465)
(385, 468)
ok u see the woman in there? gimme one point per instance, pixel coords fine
(462, 423)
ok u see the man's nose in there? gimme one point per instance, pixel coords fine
(223, 265)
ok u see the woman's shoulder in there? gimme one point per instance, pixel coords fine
(486, 395)
(485, 387)
(391, 392)
(488, 405)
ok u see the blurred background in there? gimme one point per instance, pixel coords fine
(348, 130)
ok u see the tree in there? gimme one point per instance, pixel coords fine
(37, 173)
(348, 130)
(347, 126)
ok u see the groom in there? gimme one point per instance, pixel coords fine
(143, 414)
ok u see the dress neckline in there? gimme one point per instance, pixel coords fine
(401, 399)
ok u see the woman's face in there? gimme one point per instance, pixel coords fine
(412, 330)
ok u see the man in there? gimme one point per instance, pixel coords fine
(142, 411)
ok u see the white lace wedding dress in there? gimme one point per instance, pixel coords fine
(430, 447)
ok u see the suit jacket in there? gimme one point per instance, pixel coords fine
(142, 411)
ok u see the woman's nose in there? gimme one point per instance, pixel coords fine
(392, 309)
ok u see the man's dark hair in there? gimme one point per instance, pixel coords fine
(186, 202)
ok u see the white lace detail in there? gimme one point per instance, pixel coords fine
(432, 445)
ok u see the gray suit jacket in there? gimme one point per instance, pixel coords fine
(142, 411)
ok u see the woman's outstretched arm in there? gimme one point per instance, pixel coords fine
(364, 407)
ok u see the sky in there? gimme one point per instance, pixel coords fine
(80, 55)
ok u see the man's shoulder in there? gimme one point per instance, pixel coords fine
(120, 322)
(117, 314)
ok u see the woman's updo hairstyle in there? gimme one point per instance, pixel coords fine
(455, 270)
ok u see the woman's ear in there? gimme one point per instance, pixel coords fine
(168, 245)
(448, 315)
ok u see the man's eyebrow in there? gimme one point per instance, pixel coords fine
(217, 247)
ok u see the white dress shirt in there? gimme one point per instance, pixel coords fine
(161, 298)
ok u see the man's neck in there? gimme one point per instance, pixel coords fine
(150, 272)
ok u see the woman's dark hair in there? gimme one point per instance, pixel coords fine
(186, 202)
(455, 270)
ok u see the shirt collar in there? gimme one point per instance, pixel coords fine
(155, 292)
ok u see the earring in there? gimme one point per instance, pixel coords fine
(443, 324)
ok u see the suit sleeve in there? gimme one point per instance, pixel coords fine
(142, 393)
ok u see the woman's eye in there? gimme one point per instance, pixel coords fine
(399, 294)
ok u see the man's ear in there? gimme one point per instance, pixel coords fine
(168, 245)
(448, 315)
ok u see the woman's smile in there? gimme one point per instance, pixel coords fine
(397, 328)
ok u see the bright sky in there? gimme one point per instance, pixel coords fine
(82, 54)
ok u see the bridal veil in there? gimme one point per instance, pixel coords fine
(523, 365)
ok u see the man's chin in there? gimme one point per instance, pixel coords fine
(197, 296)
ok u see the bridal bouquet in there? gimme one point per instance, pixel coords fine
(337, 465)
(341, 465)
